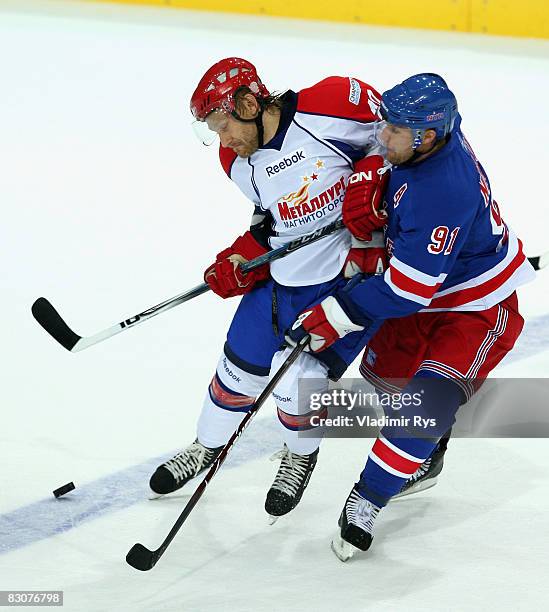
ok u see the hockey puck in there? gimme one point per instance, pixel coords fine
(64, 489)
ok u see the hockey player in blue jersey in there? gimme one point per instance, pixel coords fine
(448, 298)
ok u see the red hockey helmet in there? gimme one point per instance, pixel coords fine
(219, 84)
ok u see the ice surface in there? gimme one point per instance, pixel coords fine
(109, 206)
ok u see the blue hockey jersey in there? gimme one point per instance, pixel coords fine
(448, 245)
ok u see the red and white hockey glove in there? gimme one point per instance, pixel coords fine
(324, 323)
(225, 277)
(366, 257)
(362, 205)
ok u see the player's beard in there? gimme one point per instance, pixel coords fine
(247, 149)
(248, 143)
(400, 157)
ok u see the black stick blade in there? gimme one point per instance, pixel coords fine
(535, 262)
(539, 262)
(52, 322)
(141, 558)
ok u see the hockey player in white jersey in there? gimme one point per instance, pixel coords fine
(292, 156)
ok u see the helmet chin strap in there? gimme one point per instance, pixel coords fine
(258, 120)
(260, 128)
(418, 141)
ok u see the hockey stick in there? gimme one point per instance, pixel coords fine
(540, 261)
(48, 317)
(144, 559)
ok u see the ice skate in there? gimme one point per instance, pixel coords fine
(185, 466)
(356, 524)
(290, 482)
(425, 476)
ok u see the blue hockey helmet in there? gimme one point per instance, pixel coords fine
(421, 102)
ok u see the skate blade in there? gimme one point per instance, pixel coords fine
(417, 488)
(153, 495)
(271, 519)
(342, 549)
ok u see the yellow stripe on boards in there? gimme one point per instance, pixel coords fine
(441, 15)
(527, 18)
(511, 18)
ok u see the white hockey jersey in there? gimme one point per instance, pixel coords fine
(297, 180)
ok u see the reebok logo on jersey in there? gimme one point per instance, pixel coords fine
(354, 92)
(285, 162)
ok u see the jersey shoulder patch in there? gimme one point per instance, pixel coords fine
(341, 97)
(227, 157)
(398, 194)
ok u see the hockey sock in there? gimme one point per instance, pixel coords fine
(401, 449)
(222, 412)
(292, 397)
(294, 427)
